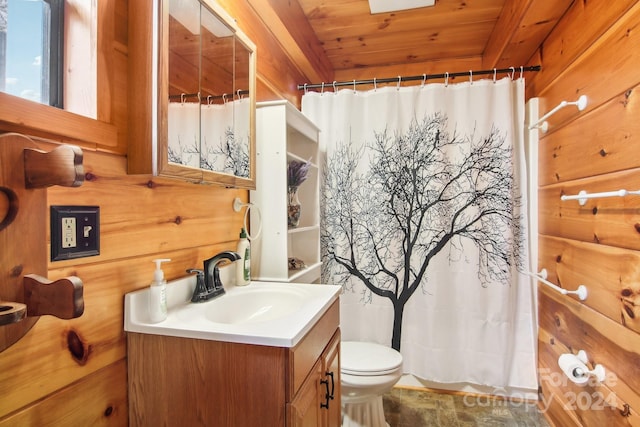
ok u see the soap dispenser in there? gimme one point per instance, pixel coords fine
(243, 265)
(157, 294)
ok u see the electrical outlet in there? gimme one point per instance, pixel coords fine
(68, 232)
(75, 232)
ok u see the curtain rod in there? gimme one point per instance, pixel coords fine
(423, 77)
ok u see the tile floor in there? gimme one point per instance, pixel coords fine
(406, 407)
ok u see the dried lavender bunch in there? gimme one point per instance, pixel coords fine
(297, 172)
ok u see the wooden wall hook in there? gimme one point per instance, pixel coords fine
(60, 166)
(61, 298)
(25, 173)
(11, 207)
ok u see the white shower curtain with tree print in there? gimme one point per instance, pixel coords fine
(424, 224)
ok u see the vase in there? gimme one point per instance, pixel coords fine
(293, 207)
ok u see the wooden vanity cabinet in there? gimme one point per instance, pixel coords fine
(317, 401)
(182, 381)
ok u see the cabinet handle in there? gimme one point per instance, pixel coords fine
(326, 396)
(333, 385)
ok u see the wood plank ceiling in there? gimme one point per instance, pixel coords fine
(346, 38)
(353, 38)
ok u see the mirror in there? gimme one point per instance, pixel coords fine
(203, 94)
(209, 109)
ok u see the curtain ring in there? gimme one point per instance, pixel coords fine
(305, 88)
(182, 96)
(521, 71)
(470, 77)
(446, 79)
(354, 86)
(424, 79)
(322, 89)
(224, 98)
(208, 99)
(399, 80)
(199, 99)
(513, 72)
(375, 85)
(494, 75)
(239, 94)
(334, 87)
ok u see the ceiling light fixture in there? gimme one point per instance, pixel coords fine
(381, 6)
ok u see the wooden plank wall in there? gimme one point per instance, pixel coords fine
(73, 373)
(594, 50)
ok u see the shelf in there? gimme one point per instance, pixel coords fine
(303, 229)
(285, 134)
(291, 156)
(306, 275)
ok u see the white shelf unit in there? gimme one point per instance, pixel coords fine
(283, 134)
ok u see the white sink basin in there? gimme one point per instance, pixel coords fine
(255, 305)
(264, 313)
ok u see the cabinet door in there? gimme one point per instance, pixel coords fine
(332, 416)
(304, 410)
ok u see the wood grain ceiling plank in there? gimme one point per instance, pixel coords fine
(352, 37)
(471, 36)
(508, 23)
(379, 50)
(282, 18)
(521, 29)
(399, 56)
(331, 22)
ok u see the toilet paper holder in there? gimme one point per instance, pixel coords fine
(575, 367)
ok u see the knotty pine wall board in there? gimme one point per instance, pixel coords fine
(611, 275)
(579, 29)
(567, 326)
(612, 221)
(592, 51)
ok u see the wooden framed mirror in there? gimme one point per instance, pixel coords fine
(196, 69)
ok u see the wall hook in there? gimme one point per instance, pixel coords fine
(542, 123)
(581, 292)
(583, 196)
(25, 173)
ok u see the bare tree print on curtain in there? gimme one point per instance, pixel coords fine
(425, 191)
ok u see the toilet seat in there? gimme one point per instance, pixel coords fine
(368, 359)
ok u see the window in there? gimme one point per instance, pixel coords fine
(31, 53)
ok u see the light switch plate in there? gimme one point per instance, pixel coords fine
(75, 232)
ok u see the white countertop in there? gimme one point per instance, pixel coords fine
(193, 320)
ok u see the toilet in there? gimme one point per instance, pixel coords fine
(367, 371)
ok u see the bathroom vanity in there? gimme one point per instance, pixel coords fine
(230, 373)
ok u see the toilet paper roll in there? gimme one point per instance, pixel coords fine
(573, 368)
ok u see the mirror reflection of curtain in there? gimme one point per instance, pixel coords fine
(241, 124)
(217, 137)
(183, 133)
(225, 137)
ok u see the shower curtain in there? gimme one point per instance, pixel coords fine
(424, 224)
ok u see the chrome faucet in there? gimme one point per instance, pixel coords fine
(208, 283)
